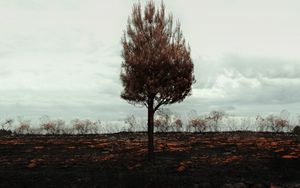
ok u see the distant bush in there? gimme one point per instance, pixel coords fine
(177, 125)
(273, 123)
(166, 120)
(231, 123)
(245, 123)
(6, 124)
(131, 122)
(52, 126)
(206, 122)
(4, 131)
(86, 126)
(24, 126)
(162, 122)
(214, 118)
(197, 124)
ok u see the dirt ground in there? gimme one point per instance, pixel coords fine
(236, 159)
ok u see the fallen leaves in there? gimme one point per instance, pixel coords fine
(34, 163)
(12, 142)
(279, 150)
(39, 147)
(212, 149)
(135, 166)
(107, 157)
(183, 166)
(231, 159)
(289, 157)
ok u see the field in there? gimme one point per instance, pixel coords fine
(228, 159)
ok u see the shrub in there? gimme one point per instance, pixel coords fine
(245, 123)
(95, 127)
(81, 126)
(214, 119)
(261, 123)
(86, 126)
(23, 128)
(6, 124)
(231, 123)
(52, 126)
(280, 124)
(163, 120)
(197, 124)
(177, 125)
(49, 127)
(273, 123)
(161, 125)
(131, 122)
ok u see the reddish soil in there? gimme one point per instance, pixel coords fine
(238, 159)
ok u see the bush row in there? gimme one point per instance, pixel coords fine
(165, 121)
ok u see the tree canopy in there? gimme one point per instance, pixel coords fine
(157, 63)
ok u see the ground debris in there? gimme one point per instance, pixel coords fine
(182, 160)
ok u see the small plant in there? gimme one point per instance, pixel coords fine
(280, 124)
(24, 126)
(95, 128)
(273, 123)
(131, 122)
(52, 126)
(166, 121)
(5, 127)
(261, 123)
(49, 127)
(197, 124)
(177, 125)
(6, 124)
(245, 124)
(231, 123)
(161, 125)
(86, 126)
(162, 122)
(214, 119)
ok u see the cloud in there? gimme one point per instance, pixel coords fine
(239, 81)
(264, 67)
(63, 57)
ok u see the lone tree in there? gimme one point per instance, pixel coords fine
(157, 68)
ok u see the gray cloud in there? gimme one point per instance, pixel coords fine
(63, 57)
(264, 67)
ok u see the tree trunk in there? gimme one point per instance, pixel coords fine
(150, 131)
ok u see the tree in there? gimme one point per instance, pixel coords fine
(216, 116)
(157, 69)
(132, 123)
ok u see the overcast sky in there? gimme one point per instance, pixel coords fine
(62, 57)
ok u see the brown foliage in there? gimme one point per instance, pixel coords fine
(86, 126)
(157, 63)
(52, 126)
(23, 127)
(197, 124)
(272, 123)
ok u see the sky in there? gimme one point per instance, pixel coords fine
(62, 58)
